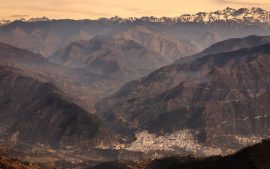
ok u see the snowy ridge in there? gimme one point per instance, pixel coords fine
(5, 21)
(242, 15)
(38, 19)
(252, 15)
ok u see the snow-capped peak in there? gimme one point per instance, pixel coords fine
(39, 19)
(252, 15)
(243, 15)
(5, 21)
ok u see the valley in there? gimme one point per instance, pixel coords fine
(141, 93)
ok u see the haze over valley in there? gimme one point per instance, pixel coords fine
(144, 92)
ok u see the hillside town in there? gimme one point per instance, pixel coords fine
(184, 140)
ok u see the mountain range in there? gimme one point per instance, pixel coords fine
(223, 78)
(247, 15)
(198, 31)
(90, 69)
(227, 46)
(6, 21)
(75, 93)
(220, 97)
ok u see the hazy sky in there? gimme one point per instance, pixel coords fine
(92, 9)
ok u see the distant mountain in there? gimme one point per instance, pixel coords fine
(156, 41)
(252, 15)
(244, 15)
(35, 112)
(227, 46)
(119, 59)
(187, 32)
(255, 157)
(87, 70)
(125, 56)
(221, 97)
(6, 21)
(44, 37)
(113, 57)
(84, 86)
(10, 55)
(42, 19)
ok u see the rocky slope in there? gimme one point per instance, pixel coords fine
(10, 163)
(34, 112)
(155, 41)
(227, 46)
(222, 98)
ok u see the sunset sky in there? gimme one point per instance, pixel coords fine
(92, 9)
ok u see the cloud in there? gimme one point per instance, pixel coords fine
(19, 16)
(57, 10)
(246, 2)
(145, 11)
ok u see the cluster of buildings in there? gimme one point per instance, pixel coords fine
(146, 142)
(184, 140)
(247, 140)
